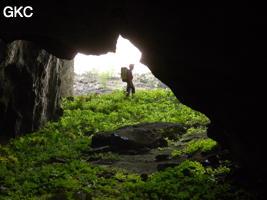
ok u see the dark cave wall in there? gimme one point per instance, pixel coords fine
(30, 87)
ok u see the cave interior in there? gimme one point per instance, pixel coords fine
(211, 58)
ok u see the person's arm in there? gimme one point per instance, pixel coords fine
(130, 75)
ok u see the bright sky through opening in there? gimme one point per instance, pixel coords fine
(126, 53)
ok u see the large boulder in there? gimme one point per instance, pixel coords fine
(138, 138)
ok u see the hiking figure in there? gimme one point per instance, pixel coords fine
(127, 76)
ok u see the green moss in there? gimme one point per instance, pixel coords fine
(52, 163)
(197, 130)
(111, 111)
(202, 145)
(190, 180)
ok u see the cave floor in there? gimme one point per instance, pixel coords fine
(156, 159)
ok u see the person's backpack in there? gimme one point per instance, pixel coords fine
(124, 74)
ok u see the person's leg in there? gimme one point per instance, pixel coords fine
(128, 88)
(131, 85)
(133, 88)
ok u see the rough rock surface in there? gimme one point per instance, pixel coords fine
(67, 78)
(147, 162)
(138, 138)
(30, 80)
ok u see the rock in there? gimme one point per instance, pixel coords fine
(30, 87)
(103, 149)
(67, 78)
(144, 177)
(81, 196)
(162, 167)
(162, 157)
(107, 174)
(57, 160)
(137, 138)
(92, 83)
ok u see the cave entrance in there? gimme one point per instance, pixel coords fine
(101, 74)
(147, 131)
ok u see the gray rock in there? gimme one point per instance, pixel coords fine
(67, 78)
(137, 138)
(30, 87)
(162, 157)
(162, 167)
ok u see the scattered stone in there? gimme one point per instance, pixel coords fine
(93, 83)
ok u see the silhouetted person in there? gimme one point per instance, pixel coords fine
(130, 86)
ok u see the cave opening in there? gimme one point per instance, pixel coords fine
(125, 129)
(102, 73)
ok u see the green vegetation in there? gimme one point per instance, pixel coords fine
(54, 162)
(193, 146)
(189, 180)
(195, 131)
(110, 111)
